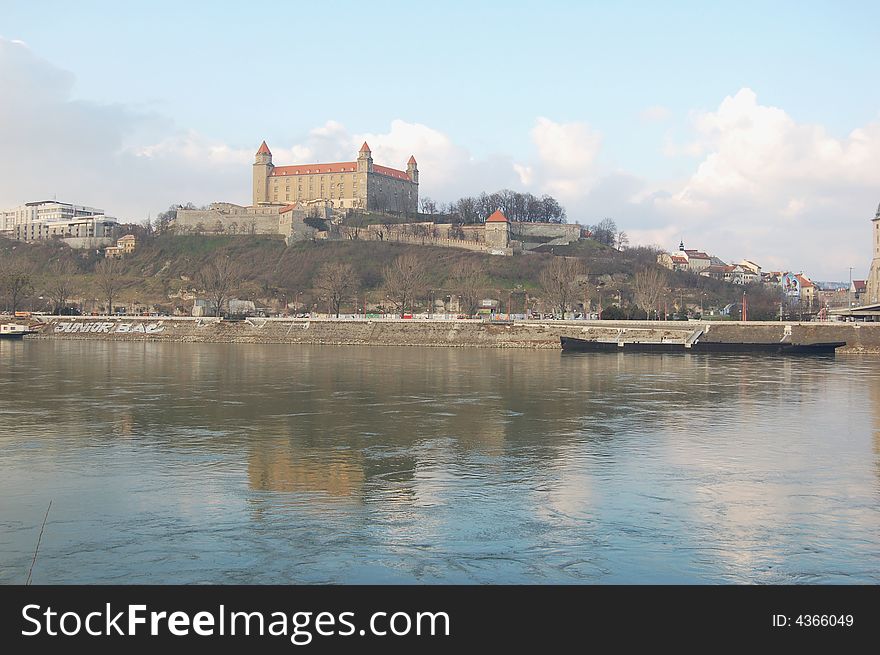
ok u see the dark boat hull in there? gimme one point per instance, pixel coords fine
(571, 344)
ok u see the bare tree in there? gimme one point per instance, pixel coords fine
(107, 277)
(428, 206)
(469, 279)
(561, 282)
(605, 232)
(405, 278)
(16, 281)
(336, 281)
(220, 279)
(621, 240)
(648, 286)
(61, 285)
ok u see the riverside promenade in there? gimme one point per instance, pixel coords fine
(859, 337)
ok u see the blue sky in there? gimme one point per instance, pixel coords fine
(631, 78)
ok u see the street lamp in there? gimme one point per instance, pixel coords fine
(850, 290)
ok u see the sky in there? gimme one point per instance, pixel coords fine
(745, 129)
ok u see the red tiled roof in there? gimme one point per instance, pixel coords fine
(678, 259)
(306, 169)
(497, 217)
(338, 167)
(412, 159)
(696, 254)
(365, 148)
(393, 172)
(288, 208)
(860, 284)
(805, 282)
(264, 149)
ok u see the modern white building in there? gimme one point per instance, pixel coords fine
(89, 227)
(48, 211)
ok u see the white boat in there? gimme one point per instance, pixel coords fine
(13, 331)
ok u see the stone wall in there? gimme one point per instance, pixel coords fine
(228, 219)
(565, 231)
(859, 337)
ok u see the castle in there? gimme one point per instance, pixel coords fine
(359, 184)
(287, 198)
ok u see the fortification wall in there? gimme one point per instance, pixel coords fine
(566, 231)
(215, 220)
(859, 337)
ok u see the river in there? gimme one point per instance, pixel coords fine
(238, 463)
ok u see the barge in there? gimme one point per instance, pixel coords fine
(571, 344)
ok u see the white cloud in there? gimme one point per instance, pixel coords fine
(777, 190)
(566, 164)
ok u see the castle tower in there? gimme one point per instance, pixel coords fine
(262, 170)
(412, 169)
(497, 231)
(365, 159)
(873, 290)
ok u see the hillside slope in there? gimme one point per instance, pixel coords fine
(166, 266)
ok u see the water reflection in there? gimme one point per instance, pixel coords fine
(253, 463)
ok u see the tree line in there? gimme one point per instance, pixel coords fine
(516, 206)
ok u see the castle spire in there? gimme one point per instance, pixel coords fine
(365, 159)
(264, 149)
(412, 169)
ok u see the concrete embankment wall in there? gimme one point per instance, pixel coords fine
(860, 337)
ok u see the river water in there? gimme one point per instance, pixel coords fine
(237, 463)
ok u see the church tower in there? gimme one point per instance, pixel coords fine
(365, 159)
(262, 170)
(873, 290)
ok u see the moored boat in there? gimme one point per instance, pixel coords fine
(13, 331)
(572, 344)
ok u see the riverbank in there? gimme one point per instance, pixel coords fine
(859, 337)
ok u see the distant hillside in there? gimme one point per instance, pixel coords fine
(166, 265)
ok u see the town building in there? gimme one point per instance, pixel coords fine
(748, 264)
(86, 232)
(360, 184)
(697, 259)
(798, 288)
(124, 246)
(45, 211)
(858, 290)
(693, 261)
(733, 273)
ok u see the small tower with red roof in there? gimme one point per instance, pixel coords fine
(497, 233)
(412, 169)
(262, 171)
(365, 159)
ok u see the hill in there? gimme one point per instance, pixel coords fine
(162, 271)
